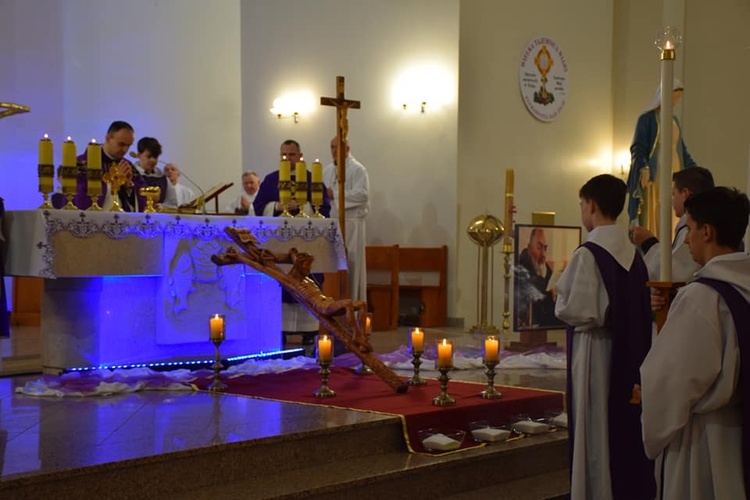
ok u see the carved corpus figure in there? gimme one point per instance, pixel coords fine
(344, 318)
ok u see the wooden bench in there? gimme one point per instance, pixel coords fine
(395, 274)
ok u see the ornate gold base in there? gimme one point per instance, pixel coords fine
(302, 215)
(46, 205)
(416, 379)
(324, 391)
(95, 204)
(317, 214)
(443, 399)
(488, 329)
(216, 385)
(70, 205)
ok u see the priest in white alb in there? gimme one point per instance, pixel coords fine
(356, 206)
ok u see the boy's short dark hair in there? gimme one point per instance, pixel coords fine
(696, 179)
(151, 145)
(726, 209)
(608, 192)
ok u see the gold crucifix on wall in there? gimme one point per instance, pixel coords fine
(9, 108)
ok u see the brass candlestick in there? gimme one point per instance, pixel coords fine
(152, 195)
(416, 360)
(115, 181)
(46, 183)
(217, 334)
(69, 185)
(317, 199)
(363, 368)
(94, 187)
(324, 391)
(444, 399)
(490, 392)
(285, 196)
(300, 194)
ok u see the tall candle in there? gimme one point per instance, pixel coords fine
(301, 176)
(445, 354)
(317, 171)
(94, 155)
(325, 349)
(69, 153)
(46, 154)
(285, 169)
(491, 349)
(417, 341)
(509, 186)
(216, 325)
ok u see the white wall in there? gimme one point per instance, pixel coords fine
(170, 68)
(551, 160)
(293, 45)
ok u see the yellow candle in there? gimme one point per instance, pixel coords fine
(301, 176)
(285, 169)
(491, 349)
(94, 156)
(45, 151)
(317, 171)
(417, 341)
(445, 354)
(69, 153)
(325, 349)
(509, 174)
(216, 324)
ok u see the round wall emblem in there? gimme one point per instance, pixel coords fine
(543, 77)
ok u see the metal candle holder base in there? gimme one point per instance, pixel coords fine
(490, 392)
(95, 204)
(363, 369)
(324, 391)
(317, 214)
(416, 378)
(216, 385)
(70, 205)
(47, 205)
(444, 399)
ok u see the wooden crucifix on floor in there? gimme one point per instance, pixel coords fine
(342, 129)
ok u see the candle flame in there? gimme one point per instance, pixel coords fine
(669, 45)
(283, 157)
(445, 341)
(93, 141)
(46, 136)
(317, 160)
(216, 316)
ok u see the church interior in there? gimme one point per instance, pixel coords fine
(442, 119)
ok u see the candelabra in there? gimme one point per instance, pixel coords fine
(490, 392)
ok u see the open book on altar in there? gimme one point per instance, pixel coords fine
(211, 194)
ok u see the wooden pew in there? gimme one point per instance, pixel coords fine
(423, 273)
(382, 286)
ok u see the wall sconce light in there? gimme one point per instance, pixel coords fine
(421, 106)
(421, 83)
(292, 105)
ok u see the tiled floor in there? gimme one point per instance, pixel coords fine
(50, 434)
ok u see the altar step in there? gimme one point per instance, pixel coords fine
(362, 461)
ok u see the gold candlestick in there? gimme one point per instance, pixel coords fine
(324, 391)
(94, 187)
(317, 199)
(115, 181)
(46, 183)
(69, 185)
(490, 392)
(444, 399)
(285, 196)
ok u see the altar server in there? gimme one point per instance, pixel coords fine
(695, 389)
(602, 296)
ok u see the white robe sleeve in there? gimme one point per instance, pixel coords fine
(684, 362)
(358, 193)
(581, 297)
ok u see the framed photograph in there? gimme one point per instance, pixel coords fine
(540, 256)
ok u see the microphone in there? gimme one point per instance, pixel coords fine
(133, 154)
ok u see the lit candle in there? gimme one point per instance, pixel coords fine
(285, 169)
(69, 153)
(509, 186)
(445, 354)
(368, 323)
(301, 176)
(325, 349)
(317, 171)
(417, 341)
(45, 151)
(216, 323)
(491, 349)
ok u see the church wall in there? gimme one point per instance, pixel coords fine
(170, 68)
(551, 160)
(298, 45)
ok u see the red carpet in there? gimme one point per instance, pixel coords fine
(371, 394)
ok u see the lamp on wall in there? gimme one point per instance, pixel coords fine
(421, 85)
(293, 105)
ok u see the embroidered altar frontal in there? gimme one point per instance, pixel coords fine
(136, 288)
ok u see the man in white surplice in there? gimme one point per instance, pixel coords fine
(693, 386)
(357, 206)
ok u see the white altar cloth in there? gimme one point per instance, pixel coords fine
(134, 288)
